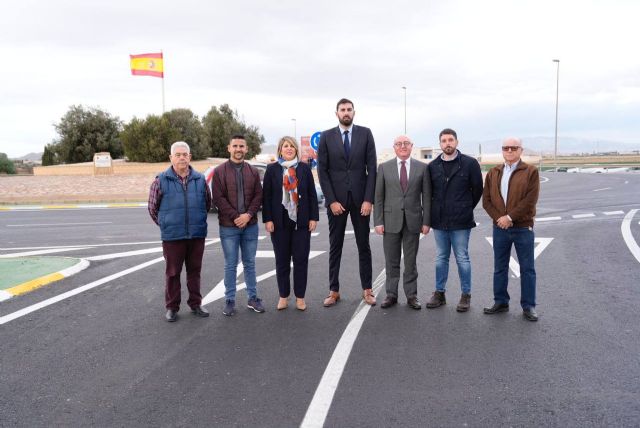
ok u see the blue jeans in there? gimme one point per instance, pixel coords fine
(523, 239)
(458, 240)
(234, 239)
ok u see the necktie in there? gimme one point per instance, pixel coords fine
(347, 146)
(404, 183)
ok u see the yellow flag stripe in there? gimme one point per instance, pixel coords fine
(149, 64)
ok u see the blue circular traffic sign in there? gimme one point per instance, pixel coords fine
(315, 141)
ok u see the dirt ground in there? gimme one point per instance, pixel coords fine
(73, 189)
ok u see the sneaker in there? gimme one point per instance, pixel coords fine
(437, 299)
(229, 308)
(256, 305)
(465, 303)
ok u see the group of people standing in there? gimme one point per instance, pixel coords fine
(406, 196)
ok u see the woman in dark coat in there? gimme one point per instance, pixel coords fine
(290, 214)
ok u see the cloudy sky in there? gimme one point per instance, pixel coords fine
(482, 68)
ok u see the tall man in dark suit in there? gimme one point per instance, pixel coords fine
(401, 212)
(347, 172)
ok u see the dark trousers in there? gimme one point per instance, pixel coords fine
(176, 253)
(337, 226)
(291, 243)
(522, 238)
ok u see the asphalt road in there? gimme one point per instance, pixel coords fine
(104, 356)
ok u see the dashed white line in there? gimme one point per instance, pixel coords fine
(321, 401)
(583, 215)
(613, 212)
(548, 218)
(628, 237)
(39, 252)
(604, 188)
(60, 224)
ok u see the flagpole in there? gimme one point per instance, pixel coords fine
(162, 80)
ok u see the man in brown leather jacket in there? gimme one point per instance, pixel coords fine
(510, 196)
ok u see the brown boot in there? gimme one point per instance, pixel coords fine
(368, 297)
(331, 299)
(464, 304)
(437, 300)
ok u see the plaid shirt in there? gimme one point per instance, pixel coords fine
(155, 196)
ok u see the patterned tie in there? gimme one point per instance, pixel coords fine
(404, 183)
(347, 146)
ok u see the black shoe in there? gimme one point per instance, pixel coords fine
(414, 303)
(497, 307)
(199, 311)
(171, 316)
(388, 302)
(530, 314)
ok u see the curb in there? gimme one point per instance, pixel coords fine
(70, 206)
(33, 284)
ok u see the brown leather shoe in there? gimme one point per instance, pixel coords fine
(331, 299)
(437, 299)
(300, 304)
(464, 304)
(388, 302)
(283, 303)
(414, 303)
(368, 297)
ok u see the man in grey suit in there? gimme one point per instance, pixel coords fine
(347, 172)
(401, 212)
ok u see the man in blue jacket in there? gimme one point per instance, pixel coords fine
(456, 188)
(179, 200)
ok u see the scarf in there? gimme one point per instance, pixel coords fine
(290, 187)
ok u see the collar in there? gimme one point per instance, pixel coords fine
(452, 159)
(342, 129)
(512, 167)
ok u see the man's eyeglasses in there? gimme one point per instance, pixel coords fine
(403, 143)
(510, 148)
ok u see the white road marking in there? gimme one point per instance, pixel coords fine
(583, 215)
(218, 291)
(5, 296)
(613, 212)
(136, 252)
(548, 218)
(59, 224)
(82, 245)
(321, 401)
(514, 265)
(544, 178)
(604, 188)
(628, 237)
(349, 232)
(39, 252)
(37, 306)
(314, 234)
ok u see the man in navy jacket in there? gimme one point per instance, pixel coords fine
(347, 172)
(456, 188)
(179, 201)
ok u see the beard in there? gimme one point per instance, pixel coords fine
(346, 121)
(448, 150)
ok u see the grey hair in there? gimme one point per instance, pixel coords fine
(177, 144)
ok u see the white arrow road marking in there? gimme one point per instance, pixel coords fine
(218, 291)
(39, 252)
(514, 265)
(321, 401)
(628, 237)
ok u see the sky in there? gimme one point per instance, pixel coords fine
(484, 68)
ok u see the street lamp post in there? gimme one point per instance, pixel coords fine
(295, 130)
(405, 109)
(555, 147)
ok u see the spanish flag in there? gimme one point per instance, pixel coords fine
(149, 64)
